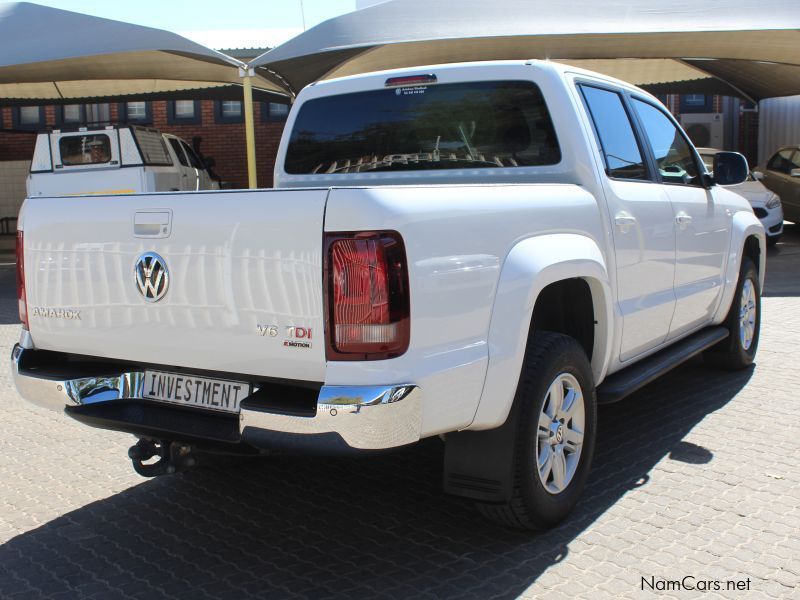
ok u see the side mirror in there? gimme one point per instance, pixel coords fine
(730, 168)
(795, 173)
(758, 175)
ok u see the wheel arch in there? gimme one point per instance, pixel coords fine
(532, 266)
(747, 240)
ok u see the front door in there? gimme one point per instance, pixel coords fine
(701, 225)
(642, 219)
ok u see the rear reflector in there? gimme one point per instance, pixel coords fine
(367, 295)
(22, 299)
(410, 80)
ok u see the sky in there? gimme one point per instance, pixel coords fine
(220, 23)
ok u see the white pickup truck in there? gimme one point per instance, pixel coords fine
(481, 252)
(108, 160)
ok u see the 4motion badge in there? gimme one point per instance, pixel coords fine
(295, 337)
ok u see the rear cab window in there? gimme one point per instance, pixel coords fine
(89, 149)
(473, 125)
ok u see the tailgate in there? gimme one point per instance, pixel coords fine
(242, 290)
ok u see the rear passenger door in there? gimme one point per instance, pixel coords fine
(642, 221)
(702, 222)
(188, 173)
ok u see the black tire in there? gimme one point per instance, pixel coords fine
(532, 507)
(772, 240)
(731, 353)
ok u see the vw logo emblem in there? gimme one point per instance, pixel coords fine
(152, 276)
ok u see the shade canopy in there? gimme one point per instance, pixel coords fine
(681, 46)
(51, 54)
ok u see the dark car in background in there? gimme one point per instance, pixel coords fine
(781, 174)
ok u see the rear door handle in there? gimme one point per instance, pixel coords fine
(624, 221)
(683, 220)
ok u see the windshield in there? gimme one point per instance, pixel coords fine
(489, 124)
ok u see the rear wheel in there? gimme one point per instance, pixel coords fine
(743, 322)
(555, 434)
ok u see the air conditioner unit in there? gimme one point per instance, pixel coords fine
(706, 130)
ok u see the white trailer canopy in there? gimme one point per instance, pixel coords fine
(52, 54)
(735, 47)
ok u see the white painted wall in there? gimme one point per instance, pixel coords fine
(778, 124)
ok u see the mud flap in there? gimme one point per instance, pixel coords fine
(479, 465)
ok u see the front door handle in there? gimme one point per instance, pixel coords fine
(624, 221)
(683, 220)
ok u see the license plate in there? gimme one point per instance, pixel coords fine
(200, 392)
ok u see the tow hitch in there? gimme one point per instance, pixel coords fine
(172, 457)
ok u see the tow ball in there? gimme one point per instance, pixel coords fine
(172, 457)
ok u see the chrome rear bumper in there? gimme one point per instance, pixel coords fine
(363, 417)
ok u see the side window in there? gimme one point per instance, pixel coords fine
(674, 156)
(795, 162)
(176, 146)
(193, 159)
(615, 134)
(781, 161)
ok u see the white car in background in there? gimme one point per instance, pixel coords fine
(112, 160)
(766, 204)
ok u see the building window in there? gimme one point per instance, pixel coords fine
(97, 113)
(70, 114)
(696, 103)
(28, 117)
(183, 112)
(274, 111)
(228, 111)
(135, 112)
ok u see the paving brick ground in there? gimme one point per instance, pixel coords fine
(696, 475)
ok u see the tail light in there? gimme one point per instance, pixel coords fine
(22, 299)
(367, 295)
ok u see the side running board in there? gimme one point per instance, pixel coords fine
(623, 383)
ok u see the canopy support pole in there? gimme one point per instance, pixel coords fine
(247, 75)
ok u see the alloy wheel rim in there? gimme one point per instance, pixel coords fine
(560, 433)
(747, 314)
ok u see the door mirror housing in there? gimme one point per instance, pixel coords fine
(758, 175)
(730, 168)
(795, 173)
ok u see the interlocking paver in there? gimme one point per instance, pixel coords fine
(696, 475)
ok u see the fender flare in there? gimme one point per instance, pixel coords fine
(743, 225)
(531, 265)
